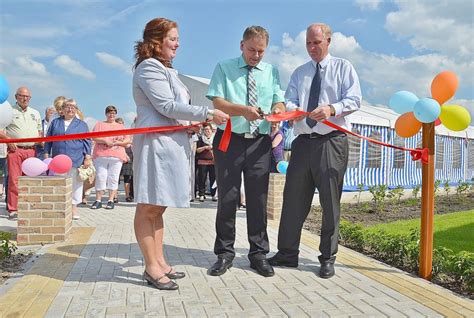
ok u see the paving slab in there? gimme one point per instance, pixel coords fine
(97, 273)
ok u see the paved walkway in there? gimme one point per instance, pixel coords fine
(97, 273)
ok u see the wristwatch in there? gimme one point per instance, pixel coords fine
(333, 110)
(210, 114)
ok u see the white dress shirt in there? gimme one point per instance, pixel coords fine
(339, 87)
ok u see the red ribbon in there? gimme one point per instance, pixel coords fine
(416, 154)
(97, 134)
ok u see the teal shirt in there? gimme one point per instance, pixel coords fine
(229, 81)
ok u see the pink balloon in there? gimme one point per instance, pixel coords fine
(33, 167)
(60, 164)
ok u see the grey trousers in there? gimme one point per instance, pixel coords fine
(318, 162)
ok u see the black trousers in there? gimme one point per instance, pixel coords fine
(203, 171)
(252, 158)
(315, 163)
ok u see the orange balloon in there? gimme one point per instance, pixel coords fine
(407, 125)
(444, 86)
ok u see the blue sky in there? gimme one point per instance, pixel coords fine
(84, 49)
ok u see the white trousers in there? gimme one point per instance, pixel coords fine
(77, 185)
(107, 171)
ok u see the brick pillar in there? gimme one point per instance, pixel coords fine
(275, 195)
(44, 210)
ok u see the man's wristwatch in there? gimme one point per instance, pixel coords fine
(210, 114)
(333, 110)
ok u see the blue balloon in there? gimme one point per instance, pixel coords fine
(4, 89)
(403, 102)
(427, 110)
(282, 166)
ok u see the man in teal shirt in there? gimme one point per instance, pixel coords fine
(245, 88)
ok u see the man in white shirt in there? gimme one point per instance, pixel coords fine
(327, 87)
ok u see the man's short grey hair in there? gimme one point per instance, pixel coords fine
(326, 29)
(254, 31)
(49, 108)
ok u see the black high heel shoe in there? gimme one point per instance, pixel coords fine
(156, 282)
(175, 275)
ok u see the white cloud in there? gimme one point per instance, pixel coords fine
(114, 61)
(356, 21)
(370, 5)
(41, 32)
(30, 66)
(381, 75)
(73, 67)
(440, 26)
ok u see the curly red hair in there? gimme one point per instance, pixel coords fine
(153, 35)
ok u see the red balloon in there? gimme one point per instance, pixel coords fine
(60, 164)
(437, 122)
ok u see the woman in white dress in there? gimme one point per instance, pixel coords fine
(161, 161)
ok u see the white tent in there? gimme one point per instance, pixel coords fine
(371, 164)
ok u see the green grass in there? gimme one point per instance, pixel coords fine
(454, 231)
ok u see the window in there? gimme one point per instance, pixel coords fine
(457, 155)
(354, 150)
(374, 155)
(399, 155)
(439, 146)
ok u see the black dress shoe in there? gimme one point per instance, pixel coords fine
(262, 267)
(220, 267)
(175, 275)
(278, 260)
(326, 270)
(157, 284)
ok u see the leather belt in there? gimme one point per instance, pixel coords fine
(315, 135)
(248, 135)
(26, 147)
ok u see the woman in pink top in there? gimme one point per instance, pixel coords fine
(109, 155)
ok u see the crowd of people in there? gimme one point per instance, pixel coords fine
(172, 168)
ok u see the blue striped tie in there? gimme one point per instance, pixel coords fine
(313, 99)
(252, 99)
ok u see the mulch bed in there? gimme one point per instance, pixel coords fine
(13, 264)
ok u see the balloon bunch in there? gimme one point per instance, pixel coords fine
(417, 111)
(6, 112)
(33, 166)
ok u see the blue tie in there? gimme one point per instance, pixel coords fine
(313, 99)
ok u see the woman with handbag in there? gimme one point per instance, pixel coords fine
(78, 150)
(205, 161)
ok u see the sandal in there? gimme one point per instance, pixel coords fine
(96, 205)
(110, 205)
(157, 284)
(175, 275)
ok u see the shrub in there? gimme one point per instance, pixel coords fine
(416, 191)
(7, 248)
(402, 251)
(378, 196)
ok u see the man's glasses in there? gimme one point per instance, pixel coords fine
(23, 96)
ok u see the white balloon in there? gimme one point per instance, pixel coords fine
(6, 114)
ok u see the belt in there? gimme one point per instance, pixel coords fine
(316, 135)
(249, 135)
(26, 147)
